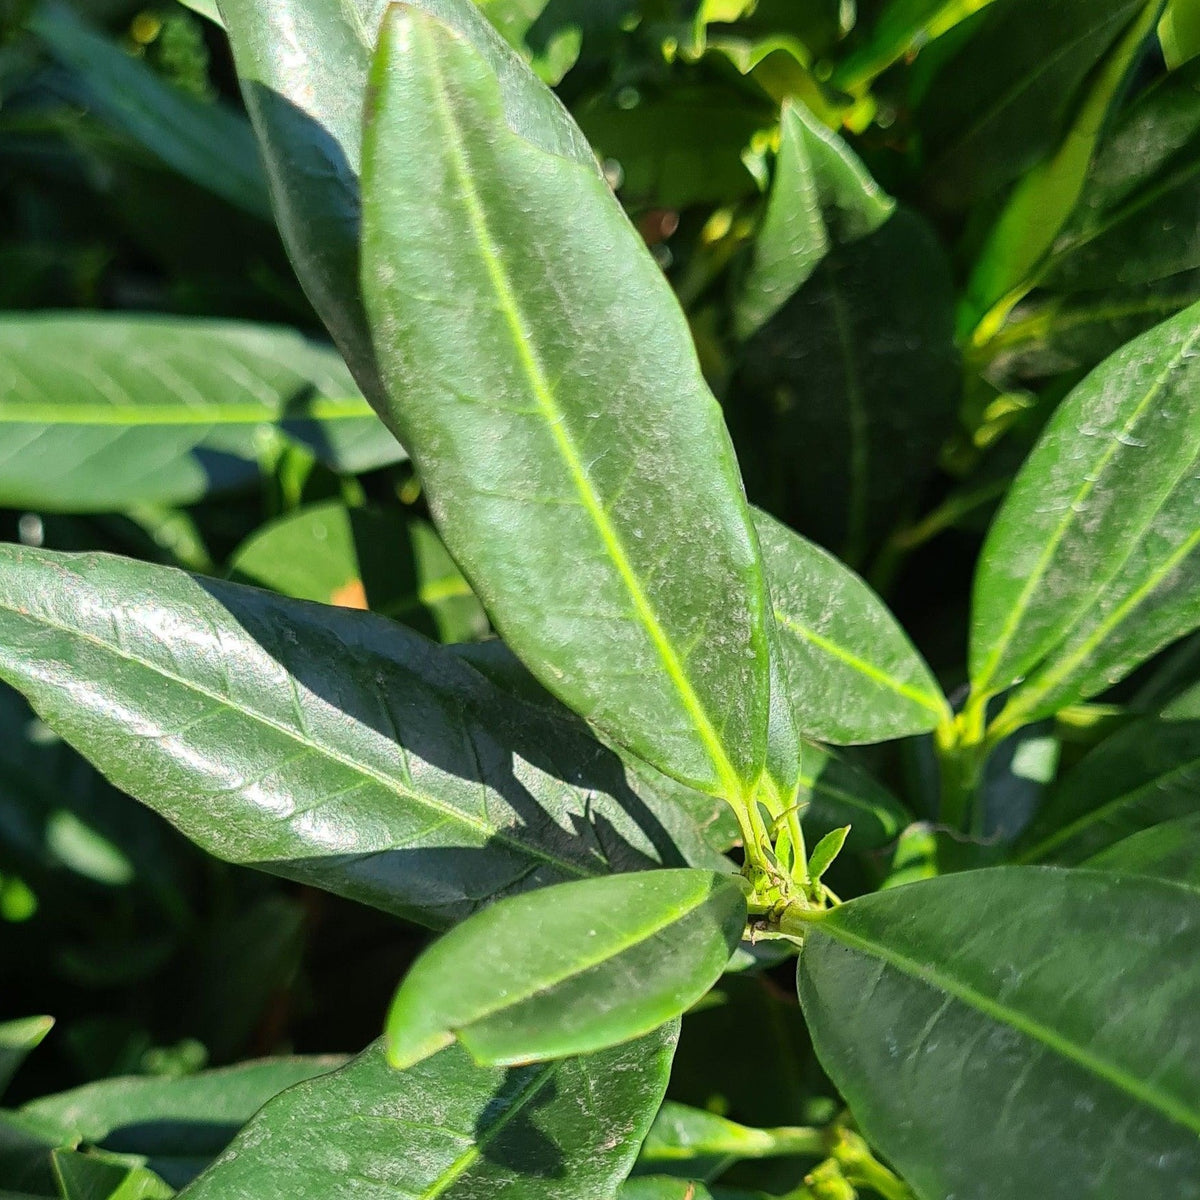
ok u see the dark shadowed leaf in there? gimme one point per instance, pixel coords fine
(17, 1040)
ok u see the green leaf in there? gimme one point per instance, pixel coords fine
(370, 762)
(204, 141)
(94, 1177)
(566, 1130)
(570, 969)
(821, 197)
(702, 1145)
(1167, 851)
(1045, 198)
(548, 36)
(1003, 94)
(1179, 32)
(17, 1039)
(854, 675)
(376, 558)
(1141, 775)
(657, 1188)
(1132, 224)
(1091, 565)
(825, 851)
(305, 95)
(654, 625)
(176, 1125)
(205, 8)
(102, 411)
(1052, 1008)
(852, 385)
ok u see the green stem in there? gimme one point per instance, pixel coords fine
(962, 748)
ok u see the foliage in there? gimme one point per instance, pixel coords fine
(691, 505)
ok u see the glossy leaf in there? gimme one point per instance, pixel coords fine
(1002, 95)
(176, 1125)
(654, 627)
(821, 197)
(1133, 223)
(94, 1177)
(1143, 774)
(324, 745)
(702, 1145)
(303, 69)
(1051, 1008)
(569, 970)
(448, 1128)
(1090, 566)
(825, 851)
(1179, 32)
(548, 36)
(854, 675)
(1167, 851)
(101, 411)
(17, 1040)
(376, 558)
(204, 141)
(852, 386)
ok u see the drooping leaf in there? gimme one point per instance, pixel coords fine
(325, 745)
(204, 141)
(1141, 775)
(17, 1039)
(1167, 851)
(697, 1144)
(821, 197)
(177, 1125)
(567, 1130)
(96, 1177)
(1003, 94)
(654, 625)
(854, 675)
(570, 969)
(303, 69)
(852, 386)
(103, 411)
(376, 558)
(1048, 1007)
(1091, 564)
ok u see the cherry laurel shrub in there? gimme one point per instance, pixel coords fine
(626, 805)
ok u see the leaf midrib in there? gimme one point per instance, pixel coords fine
(555, 418)
(1112, 1074)
(325, 751)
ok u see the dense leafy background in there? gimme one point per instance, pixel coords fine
(906, 238)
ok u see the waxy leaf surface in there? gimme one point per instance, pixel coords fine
(325, 745)
(100, 412)
(1093, 561)
(575, 462)
(1054, 1009)
(570, 969)
(451, 1130)
(1167, 851)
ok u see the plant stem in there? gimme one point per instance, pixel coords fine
(962, 748)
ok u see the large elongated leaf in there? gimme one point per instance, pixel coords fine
(1003, 93)
(855, 380)
(1144, 774)
(325, 745)
(100, 412)
(575, 462)
(821, 197)
(204, 141)
(376, 558)
(570, 969)
(177, 1125)
(854, 675)
(1054, 1009)
(303, 68)
(1092, 562)
(1167, 851)
(447, 1128)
